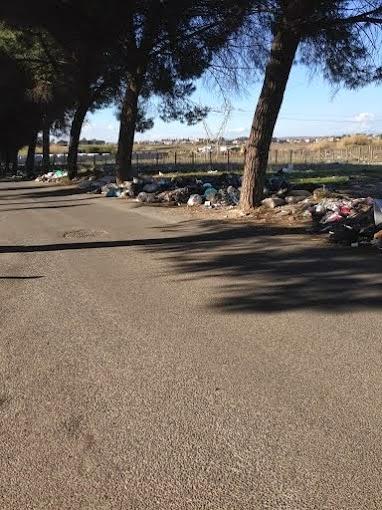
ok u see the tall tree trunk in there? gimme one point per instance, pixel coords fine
(124, 168)
(75, 133)
(277, 72)
(15, 162)
(30, 161)
(7, 165)
(46, 145)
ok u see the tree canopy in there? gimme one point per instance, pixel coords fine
(339, 38)
(75, 56)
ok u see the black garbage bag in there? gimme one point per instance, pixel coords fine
(343, 234)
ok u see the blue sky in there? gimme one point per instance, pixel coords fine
(311, 107)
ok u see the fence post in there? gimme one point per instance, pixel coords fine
(193, 158)
(136, 159)
(228, 165)
(210, 160)
(95, 160)
(157, 158)
(175, 158)
(290, 156)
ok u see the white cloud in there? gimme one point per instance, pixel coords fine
(88, 127)
(362, 122)
(364, 118)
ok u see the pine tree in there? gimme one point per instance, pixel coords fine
(334, 36)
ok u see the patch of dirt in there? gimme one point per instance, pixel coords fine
(84, 234)
(262, 215)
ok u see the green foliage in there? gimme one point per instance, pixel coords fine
(31, 87)
(339, 38)
(19, 114)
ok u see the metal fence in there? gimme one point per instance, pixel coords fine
(366, 154)
(183, 161)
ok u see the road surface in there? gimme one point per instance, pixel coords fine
(148, 361)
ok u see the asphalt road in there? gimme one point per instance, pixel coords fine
(151, 362)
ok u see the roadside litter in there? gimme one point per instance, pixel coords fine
(220, 191)
(195, 200)
(345, 220)
(52, 176)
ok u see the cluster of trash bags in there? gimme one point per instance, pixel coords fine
(221, 190)
(349, 221)
(346, 221)
(52, 176)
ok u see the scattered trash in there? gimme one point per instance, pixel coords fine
(292, 199)
(179, 195)
(273, 202)
(195, 200)
(332, 218)
(52, 176)
(151, 187)
(233, 195)
(210, 194)
(378, 212)
(354, 222)
(146, 197)
(345, 210)
(113, 192)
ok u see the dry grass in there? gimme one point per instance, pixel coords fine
(349, 141)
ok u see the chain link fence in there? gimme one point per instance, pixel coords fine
(229, 160)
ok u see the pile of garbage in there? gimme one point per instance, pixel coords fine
(346, 220)
(221, 190)
(52, 176)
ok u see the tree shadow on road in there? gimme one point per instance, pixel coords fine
(17, 188)
(254, 268)
(42, 191)
(21, 277)
(271, 269)
(36, 208)
(8, 201)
